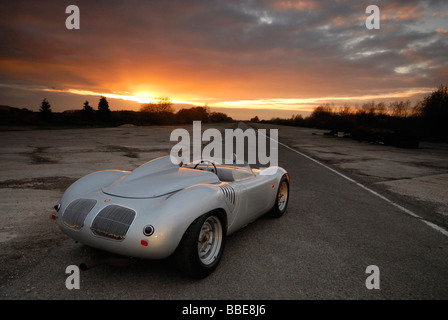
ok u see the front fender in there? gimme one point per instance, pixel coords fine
(90, 183)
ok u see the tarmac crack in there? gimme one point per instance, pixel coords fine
(41, 183)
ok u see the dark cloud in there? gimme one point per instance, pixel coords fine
(224, 50)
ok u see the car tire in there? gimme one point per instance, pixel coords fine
(281, 199)
(202, 245)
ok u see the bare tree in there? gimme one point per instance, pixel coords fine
(400, 108)
(345, 110)
(163, 104)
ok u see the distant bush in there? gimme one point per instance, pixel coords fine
(255, 119)
(219, 117)
(434, 113)
(189, 115)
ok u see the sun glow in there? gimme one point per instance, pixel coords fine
(288, 104)
(309, 103)
(145, 97)
(140, 98)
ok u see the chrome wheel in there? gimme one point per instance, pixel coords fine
(282, 197)
(210, 240)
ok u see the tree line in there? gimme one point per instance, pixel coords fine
(159, 112)
(398, 122)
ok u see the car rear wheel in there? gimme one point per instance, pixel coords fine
(281, 201)
(202, 245)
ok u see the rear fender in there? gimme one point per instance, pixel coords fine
(181, 209)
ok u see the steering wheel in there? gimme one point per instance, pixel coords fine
(207, 163)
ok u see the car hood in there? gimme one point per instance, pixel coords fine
(157, 178)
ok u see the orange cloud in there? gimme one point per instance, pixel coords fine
(402, 13)
(300, 5)
(340, 21)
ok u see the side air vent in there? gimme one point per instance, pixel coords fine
(229, 192)
(113, 222)
(76, 212)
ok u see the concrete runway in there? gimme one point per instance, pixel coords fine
(320, 249)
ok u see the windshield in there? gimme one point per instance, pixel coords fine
(226, 170)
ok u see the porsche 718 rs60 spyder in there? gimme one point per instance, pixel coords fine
(162, 209)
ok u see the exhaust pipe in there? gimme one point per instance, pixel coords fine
(112, 261)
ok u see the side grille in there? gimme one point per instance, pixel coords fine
(76, 212)
(229, 192)
(113, 222)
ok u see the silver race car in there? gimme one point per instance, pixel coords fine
(162, 209)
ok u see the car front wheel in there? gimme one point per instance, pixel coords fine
(202, 245)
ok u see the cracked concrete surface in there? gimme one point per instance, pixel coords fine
(38, 165)
(419, 174)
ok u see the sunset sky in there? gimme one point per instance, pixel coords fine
(284, 57)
